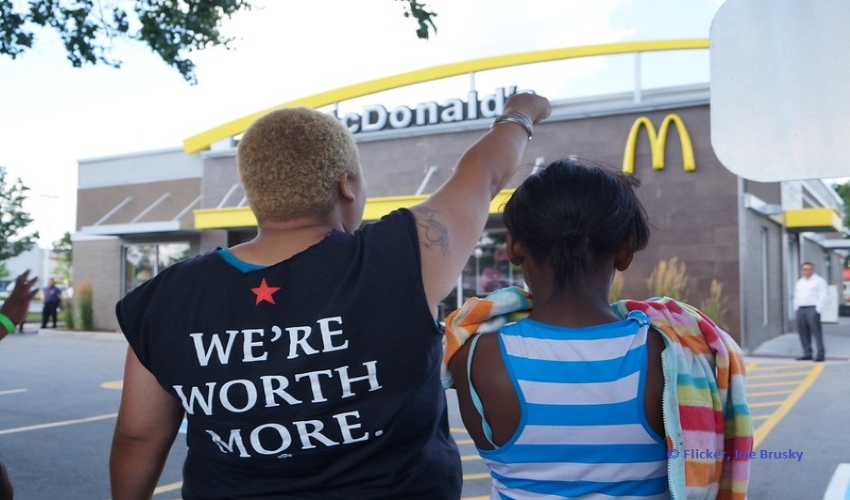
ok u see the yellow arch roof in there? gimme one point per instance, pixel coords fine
(203, 140)
(232, 217)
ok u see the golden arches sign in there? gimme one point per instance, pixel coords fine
(203, 140)
(658, 143)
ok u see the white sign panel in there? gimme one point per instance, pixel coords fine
(780, 88)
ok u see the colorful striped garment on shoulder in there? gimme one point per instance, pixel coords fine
(707, 419)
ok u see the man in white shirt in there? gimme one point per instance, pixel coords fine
(810, 295)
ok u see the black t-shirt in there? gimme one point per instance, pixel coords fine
(317, 377)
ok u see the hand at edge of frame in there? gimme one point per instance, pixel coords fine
(16, 306)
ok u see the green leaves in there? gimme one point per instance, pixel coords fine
(13, 38)
(63, 249)
(171, 28)
(843, 191)
(13, 219)
(424, 17)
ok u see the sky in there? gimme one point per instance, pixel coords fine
(52, 115)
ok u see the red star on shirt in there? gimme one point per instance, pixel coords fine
(264, 292)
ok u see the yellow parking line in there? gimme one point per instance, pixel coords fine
(459, 430)
(480, 475)
(768, 403)
(777, 367)
(59, 424)
(773, 384)
(763, 430)
(485, 497)
(760, 417)
(778, 375)
(464, 441)
(768, 393)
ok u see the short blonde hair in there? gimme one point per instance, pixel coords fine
(290, 161)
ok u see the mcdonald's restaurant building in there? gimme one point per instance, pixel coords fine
(138, 213)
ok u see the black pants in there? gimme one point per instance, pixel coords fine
(48, 312)
(808, 324)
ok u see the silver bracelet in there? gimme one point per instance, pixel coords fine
(517, 118)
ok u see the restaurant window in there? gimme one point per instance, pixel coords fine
(144, 261)
(487, 269)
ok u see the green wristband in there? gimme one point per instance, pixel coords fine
(7, 323)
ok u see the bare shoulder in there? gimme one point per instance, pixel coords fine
(494, 388)
(485, 355)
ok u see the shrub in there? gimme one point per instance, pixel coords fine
(67, 314)
(84, 289)
(669, 279)
(714, 306)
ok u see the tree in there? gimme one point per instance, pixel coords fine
(64, 251)
(13, 219)
(171, 28)
(423, 16)
(843, 191)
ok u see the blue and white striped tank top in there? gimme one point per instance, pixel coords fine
(583, 431)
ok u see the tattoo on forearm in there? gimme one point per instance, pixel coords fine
(435, 234)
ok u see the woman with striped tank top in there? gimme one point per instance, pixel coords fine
(567, 403)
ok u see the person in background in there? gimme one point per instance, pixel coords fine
(52, 297)
(810, 295)
(563, 393)
(12, 313)
(307, 360)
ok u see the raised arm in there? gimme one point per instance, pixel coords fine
(450, 221)
(148, 420)
(17, 304)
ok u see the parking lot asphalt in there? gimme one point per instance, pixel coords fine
(59, 392)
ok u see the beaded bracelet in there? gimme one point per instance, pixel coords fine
(7, 323)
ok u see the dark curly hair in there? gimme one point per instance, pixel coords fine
(573, 216)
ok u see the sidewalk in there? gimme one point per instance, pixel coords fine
(48, 332)
(836, 340)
